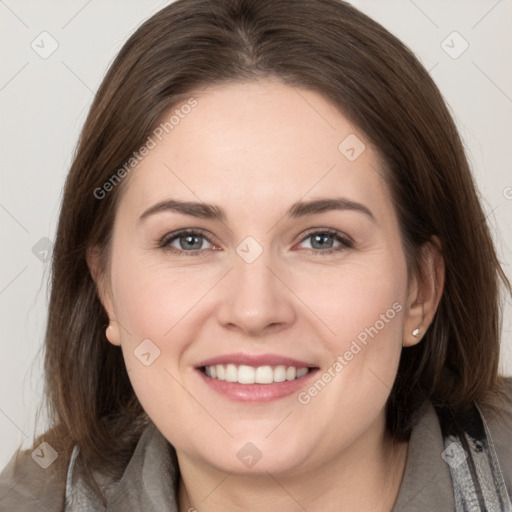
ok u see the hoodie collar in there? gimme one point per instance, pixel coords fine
(149, 482)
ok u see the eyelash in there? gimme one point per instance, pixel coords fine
(345, 242)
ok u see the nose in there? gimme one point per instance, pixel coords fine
(256, 299)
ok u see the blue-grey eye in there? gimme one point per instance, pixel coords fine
(322, 241)
(325, 240)
(189, 242)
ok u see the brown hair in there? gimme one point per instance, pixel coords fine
(322, 45)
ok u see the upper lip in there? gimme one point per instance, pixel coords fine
(255, 360)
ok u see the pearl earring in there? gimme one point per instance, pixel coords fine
(416, 332)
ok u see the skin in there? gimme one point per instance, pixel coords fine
(255, 149)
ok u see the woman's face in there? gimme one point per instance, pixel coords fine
(259, 233)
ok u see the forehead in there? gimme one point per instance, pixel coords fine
(254, 143)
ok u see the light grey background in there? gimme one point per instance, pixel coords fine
(44, 101)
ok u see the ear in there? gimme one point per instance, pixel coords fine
(100, 278)
(425, 291)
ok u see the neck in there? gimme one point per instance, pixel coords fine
(366, 476)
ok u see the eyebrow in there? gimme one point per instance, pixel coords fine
(200, 210)
(297, 210)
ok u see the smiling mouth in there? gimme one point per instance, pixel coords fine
(244, 374)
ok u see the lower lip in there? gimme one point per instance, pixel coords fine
(257, 392)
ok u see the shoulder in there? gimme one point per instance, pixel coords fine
(497, 411)
(35, 479)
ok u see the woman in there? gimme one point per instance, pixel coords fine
(273, 284)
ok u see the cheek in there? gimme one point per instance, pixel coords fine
(155, 305)
(151, 299)
(362, 309)
(362, 296)
(160, 310)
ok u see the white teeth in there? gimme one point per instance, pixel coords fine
(221, 372)
(264, 375)
(244, 374)
(279, 374)
(291, 373)
(301, 372)
(231, 373)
